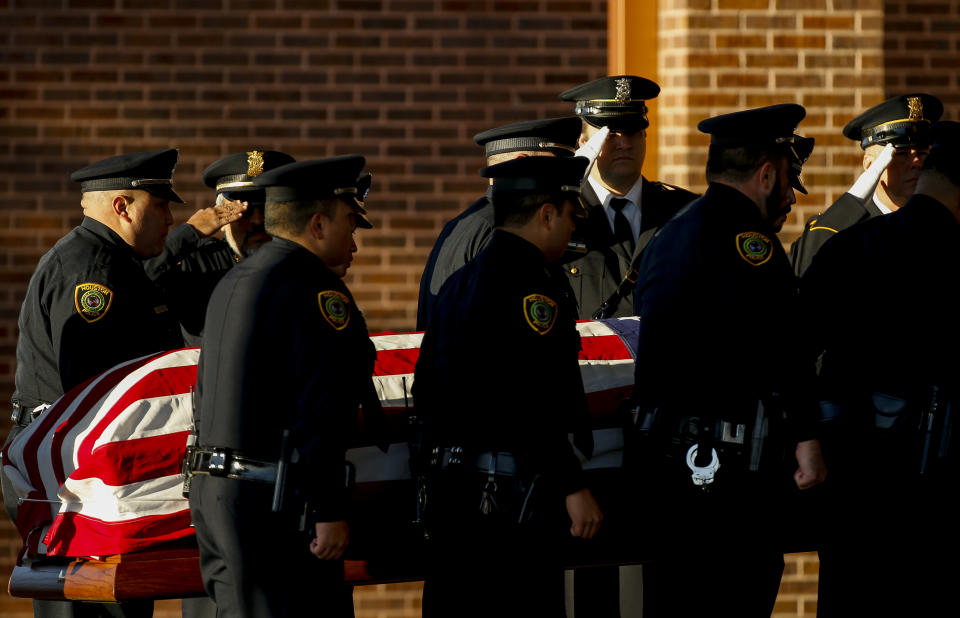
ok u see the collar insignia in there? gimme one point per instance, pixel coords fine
(254, 163)
(754, 247)
(540, 312)
(623, 89)
(92, 301)
(916, 108)
(335, 308)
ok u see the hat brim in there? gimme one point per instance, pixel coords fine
(618, 123)
(164, 192)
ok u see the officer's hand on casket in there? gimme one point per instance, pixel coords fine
(811, 470)
(208, 220)
(331, 540)
(585, 514)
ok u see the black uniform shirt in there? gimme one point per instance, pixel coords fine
(459, 242)
(878, 301)
(285, 347)
(187, 271)
(498, 367)
(89, 306)
(595, 274)
(843, 213)
(716, 298)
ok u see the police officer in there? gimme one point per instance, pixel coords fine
(89, 305)
(193, 261)
(624, 209)
(890, 174)
(714, 291)
(499, 387)
(888, 382)
(469, 232)
(286, 360)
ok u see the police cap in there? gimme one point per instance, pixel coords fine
(549, 175)
(234, 173)
(774, 125)
(150, 171)
(554, 135)
(901, 121)
(317, 179)
(617, 102)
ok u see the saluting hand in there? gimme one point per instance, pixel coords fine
(585, 514)
(811, 470)
(208, 220)
(331, 540)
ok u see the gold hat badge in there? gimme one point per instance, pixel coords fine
(916, 108)
(623, 89)
(254, 163)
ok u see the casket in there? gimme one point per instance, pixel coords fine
(102, 515)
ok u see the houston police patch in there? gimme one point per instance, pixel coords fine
(540, 312)
(754, 247)
(335, 307)
(92, 300)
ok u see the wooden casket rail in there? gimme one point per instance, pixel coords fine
(165, 574)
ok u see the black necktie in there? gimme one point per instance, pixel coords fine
(622, 232)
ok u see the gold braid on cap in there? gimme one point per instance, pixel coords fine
(254, 163)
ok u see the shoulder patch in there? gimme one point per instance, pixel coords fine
(754, 247)
(335, 308)
(540, 312)
(92, 300)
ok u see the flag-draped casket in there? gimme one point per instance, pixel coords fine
(99, 472)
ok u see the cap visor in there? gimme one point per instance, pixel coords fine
(165, 192)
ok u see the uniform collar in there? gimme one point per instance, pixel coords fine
(522, 251)
(604, 195)
(103, 231)
(734, 202)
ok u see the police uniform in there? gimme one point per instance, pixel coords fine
(714, 291)
(191, 265)
(498, 386)
(89, 306)
(903, 121)
(598, 262)
(888, 382)
(469, 232)
(265, 408)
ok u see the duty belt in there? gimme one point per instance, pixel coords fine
(500, 463)
(226, 462)
(24, 415)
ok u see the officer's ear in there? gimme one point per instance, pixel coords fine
(121, 204)
(316, 226)
(767, 175)
(547, 214)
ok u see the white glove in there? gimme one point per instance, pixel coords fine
(591, 150)
(867, 183)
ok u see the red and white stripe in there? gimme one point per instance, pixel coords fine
(99, 471)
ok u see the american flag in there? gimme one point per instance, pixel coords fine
(99, 471)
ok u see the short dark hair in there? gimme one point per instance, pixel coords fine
(514, 209)
(281, 218)
(944, 160)
(738, 163)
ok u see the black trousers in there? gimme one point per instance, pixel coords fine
(716, 552)
(891, 540)
(255, 562)
(491, 565)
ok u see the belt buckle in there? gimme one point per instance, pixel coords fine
(219, 462)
